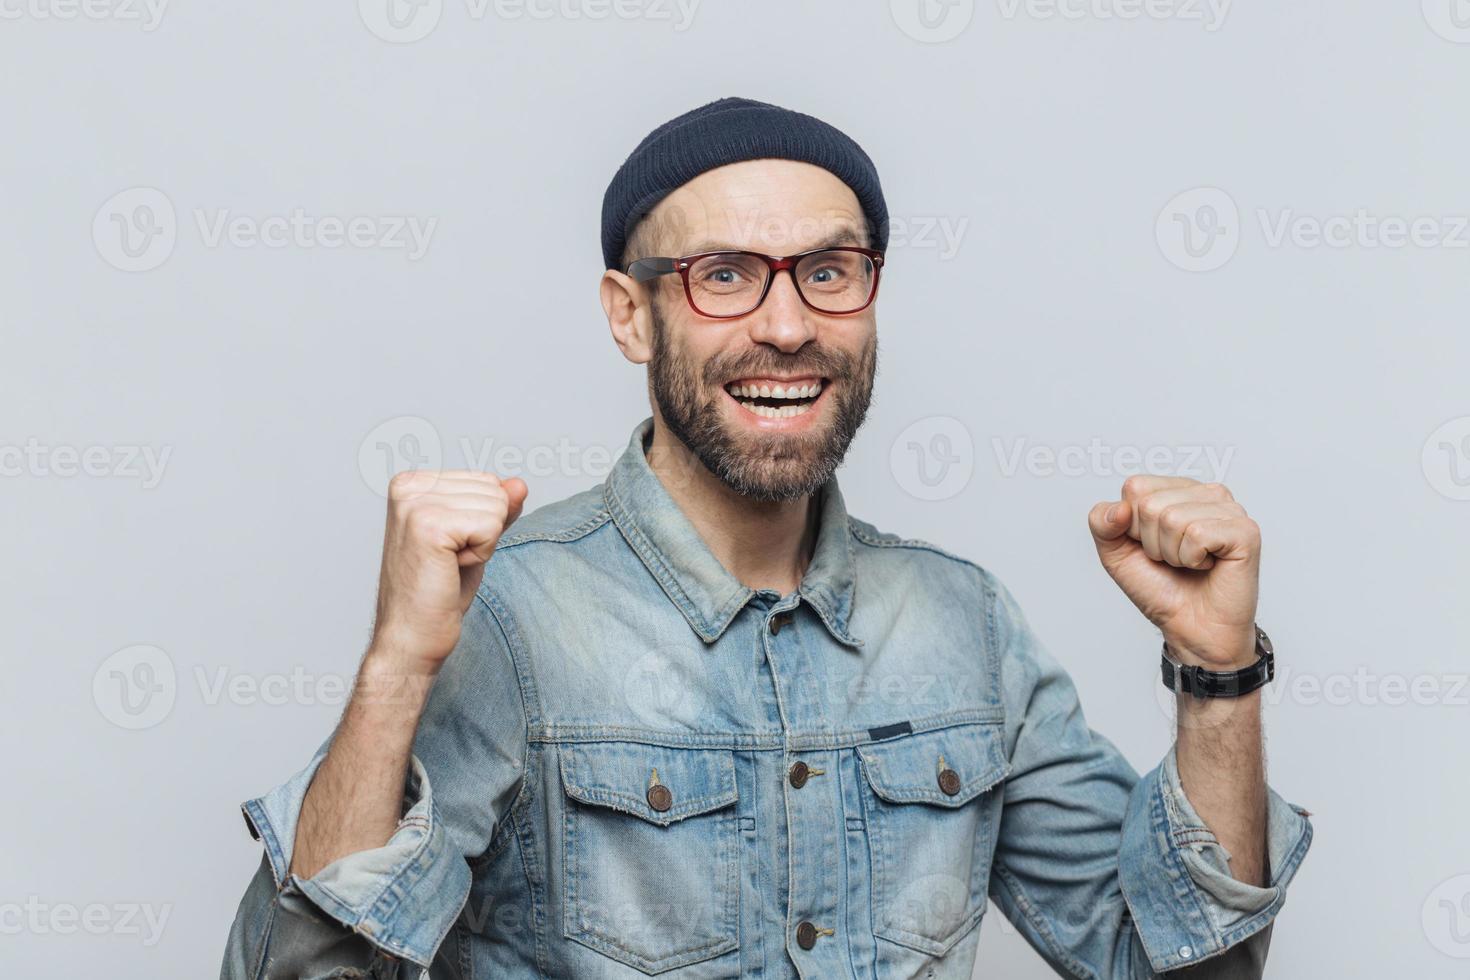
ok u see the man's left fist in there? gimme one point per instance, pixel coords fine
(1190, 559)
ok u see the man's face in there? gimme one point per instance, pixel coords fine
(769, 402)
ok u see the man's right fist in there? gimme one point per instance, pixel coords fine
(442, 528)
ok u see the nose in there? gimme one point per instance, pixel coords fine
(783, 320)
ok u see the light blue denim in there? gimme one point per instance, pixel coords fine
(609, 652)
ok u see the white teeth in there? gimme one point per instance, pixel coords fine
(793, 392)
(774, 412)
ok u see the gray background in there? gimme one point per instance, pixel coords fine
(1065, 313)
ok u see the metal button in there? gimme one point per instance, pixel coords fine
(798, 774)
(949, 781)
(660, 798)
(779, 620)
(806, 935)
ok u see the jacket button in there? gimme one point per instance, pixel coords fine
(798, 774)
(779, 620)
(660, 798)
(806, 935)
(949, 781)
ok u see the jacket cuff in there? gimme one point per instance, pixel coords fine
(381, 893)
(1175, 874)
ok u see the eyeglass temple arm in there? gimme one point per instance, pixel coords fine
(645, 269)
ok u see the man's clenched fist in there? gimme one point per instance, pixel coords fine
(1189, 557)
(442, 528)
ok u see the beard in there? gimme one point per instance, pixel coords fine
(770, 468)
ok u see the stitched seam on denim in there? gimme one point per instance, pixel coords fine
(1038, 922)
(515, 648)
(258, 973)
(928, 944)
(518, 816)
(773, 741)
(624, 803)
(910, 544)
(652, 560)
(698, 951)
(371, 907)
(1252, 924)
(563, 536)
(269, 840)
(580, 930)
(845, 842)
(1205, 941)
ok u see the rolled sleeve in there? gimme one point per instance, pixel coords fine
(371, 912)
(402, 897)
(1175, 874)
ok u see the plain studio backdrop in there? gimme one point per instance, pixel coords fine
(256, 256)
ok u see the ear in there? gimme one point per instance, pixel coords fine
(629, 315)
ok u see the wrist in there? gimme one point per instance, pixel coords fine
(1216, 654)
(392, 677)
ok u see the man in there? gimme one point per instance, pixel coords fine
(700, 722)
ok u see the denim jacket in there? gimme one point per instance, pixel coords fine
(634, 765)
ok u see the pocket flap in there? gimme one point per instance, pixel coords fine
(908, 769)
(619, 775)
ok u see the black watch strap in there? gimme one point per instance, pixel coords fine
(1196, 681)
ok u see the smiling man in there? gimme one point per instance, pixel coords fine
(701, 722)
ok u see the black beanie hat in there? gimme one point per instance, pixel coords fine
(729, 131)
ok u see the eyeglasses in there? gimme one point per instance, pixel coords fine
(721, 285)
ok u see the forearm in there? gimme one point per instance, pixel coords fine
(356, 798)
(1223, 772)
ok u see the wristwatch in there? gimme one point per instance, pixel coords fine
(1195, 680)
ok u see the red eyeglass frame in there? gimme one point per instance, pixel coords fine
(651, 268)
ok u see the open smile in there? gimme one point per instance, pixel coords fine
(776, 398)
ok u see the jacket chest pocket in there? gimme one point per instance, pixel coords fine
(932, 806)
(651, 857)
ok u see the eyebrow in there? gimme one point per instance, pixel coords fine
(845, 237)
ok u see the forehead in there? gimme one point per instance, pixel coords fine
(775, 206)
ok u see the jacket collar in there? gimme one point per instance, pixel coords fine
(689, 573)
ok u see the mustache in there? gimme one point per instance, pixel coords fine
(809, 360)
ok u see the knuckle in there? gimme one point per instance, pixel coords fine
(1135, 485)
(410, 483)
(423, 520)
(1218, 491)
